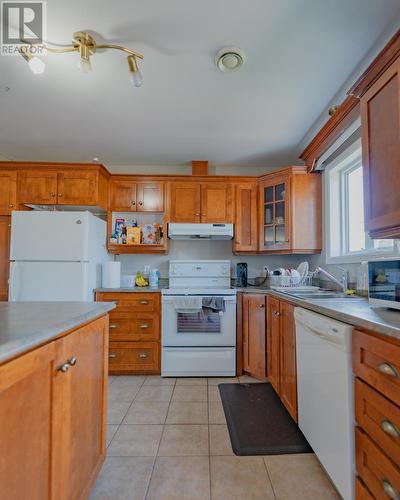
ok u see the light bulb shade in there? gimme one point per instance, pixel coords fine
(85, 65)
(36, 65)
(136, 78)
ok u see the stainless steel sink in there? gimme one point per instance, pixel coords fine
(321, 294)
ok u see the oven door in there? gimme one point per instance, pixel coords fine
(180, 329)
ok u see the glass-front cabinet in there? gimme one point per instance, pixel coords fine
(275, 213)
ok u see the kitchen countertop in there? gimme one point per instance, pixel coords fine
(26, 325)
(136, 289)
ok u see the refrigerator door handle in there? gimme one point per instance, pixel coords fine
(11, 281)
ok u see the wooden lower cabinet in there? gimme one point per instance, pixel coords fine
(52, 420)
(254, 355)
(376, 363)
(135, 331)
(5, 231)
(281, 352)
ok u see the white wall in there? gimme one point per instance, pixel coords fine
(206, 250)
(187, 169)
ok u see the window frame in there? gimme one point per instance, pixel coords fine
(335, 206)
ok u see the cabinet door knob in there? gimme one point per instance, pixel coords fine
(388, 369)
(261, 306)
(113, 325)
(143, 355)
(72, 361)
(53, 195)
(390, 490)
(277, 313)
(140, 203)
(112, 355)
(64, 368)
(10, 206)
(197, 215)
(59, 195)
(390, 429)
(144, 302)
(133, 203)
(144, 325)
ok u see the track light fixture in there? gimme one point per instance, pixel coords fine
(86, 46)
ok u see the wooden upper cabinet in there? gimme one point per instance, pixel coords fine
(123, 196)
(133, 196)
(5, 229)
(246, 227)
(201, 202)
(288, 373)
(76, 187)
(216, 202)
(150, 196)
(185, 201)
(38, 187)
(254, 355)
(28, 424)
(64, 186)
(380, 126)
(8, 192)
(290, 212)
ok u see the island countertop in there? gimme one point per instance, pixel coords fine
(26, 325)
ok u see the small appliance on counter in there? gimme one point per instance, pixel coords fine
(384, 283)
(241, 274)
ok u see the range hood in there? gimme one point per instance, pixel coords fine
(195, 231)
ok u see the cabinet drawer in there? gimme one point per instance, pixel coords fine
(134, 326)
(380, 475)
(377, 361)
(134, 356)
(361, 491)
(378, 417)
(133, 301)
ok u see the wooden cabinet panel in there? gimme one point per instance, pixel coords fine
(273, 342)
(377, 361)
(5, 229)
(377, 471)
(361, 491)
(216, 202)
(288, 371)
(27, 426)
(380, 119)
(134, 357)
(246, 227)
(132, 302)
(185, 202)
(8, 192)
(137, 326)
(77, 188)
(38, 187)
(150, 196)
(123, 196)
(254, 355)
(378, 417)
(83, 389)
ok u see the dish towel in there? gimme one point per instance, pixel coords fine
(188, 304)
(213, 304)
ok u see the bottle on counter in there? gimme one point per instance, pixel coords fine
(153, 278)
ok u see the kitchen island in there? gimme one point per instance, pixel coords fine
(53, 397)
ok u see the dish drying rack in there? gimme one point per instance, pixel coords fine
(298, 282)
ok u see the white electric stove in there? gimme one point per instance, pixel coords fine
(196, 340)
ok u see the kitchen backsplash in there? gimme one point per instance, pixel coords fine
(207, 250)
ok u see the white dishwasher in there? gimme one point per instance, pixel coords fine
(325, 394)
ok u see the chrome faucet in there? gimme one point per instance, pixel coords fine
(343, 283)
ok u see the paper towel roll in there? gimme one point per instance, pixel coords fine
(111, 275)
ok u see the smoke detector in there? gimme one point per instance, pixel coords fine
(229, 59)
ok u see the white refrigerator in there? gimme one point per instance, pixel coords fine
(56, 256)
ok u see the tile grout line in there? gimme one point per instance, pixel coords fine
(269, 477)
(159, 444)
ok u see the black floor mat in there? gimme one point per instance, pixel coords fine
(258, 422)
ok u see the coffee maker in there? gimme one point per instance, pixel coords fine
(241, 274)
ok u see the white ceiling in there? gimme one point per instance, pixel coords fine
(298, 53)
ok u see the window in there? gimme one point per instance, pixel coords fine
(345, 239)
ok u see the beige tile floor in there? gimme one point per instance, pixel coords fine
(167, 439)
